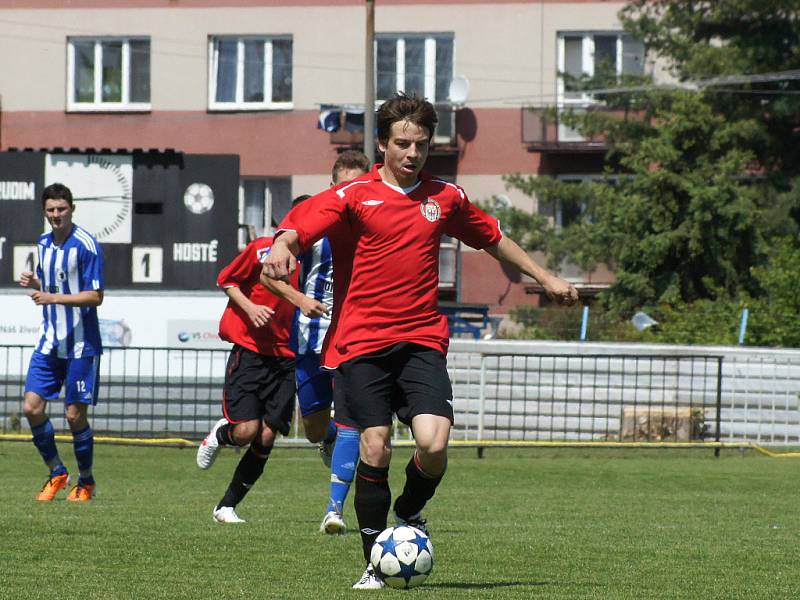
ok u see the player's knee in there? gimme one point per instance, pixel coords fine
(76, 419)
(267, 437)
(33, 406)
(376, 452)
(245, 433)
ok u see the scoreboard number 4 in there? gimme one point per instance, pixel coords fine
(147, 264)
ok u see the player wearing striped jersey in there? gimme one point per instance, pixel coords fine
(68, 285)
(387, 339)
(314, 301)
(259, 389)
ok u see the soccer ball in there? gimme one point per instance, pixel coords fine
(402, 556)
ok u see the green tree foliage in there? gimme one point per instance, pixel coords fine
(700, 180)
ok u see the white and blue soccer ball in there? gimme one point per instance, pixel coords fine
(402, 556)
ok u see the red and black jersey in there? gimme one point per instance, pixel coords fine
(235, 326)
(385, 244)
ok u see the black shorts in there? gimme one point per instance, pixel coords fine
(405, 379)
(259, 387)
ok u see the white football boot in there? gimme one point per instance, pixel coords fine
(226, 514)
(333, 524)
(209, 447)
(369, 580)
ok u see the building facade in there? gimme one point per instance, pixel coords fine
(259, 78)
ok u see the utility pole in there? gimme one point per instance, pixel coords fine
(369, 84)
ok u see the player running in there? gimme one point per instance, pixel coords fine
(69, 287)
(387, 339)
(258, 397)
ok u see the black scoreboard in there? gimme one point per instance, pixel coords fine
(166, 220)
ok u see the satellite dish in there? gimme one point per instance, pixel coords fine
(459, 90)
(502, 201)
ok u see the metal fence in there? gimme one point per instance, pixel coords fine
(503, 391)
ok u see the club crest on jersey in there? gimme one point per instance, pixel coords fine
(431, 210)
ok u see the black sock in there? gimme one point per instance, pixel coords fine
(250, 468)
(372, 501)
(225, 435)
(419, 488)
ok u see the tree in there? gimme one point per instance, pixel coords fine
(698, 181)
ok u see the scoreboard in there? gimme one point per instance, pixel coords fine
(166, 220)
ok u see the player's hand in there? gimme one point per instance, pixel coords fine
(313, 308)
(26, 279)
(561, 291)
(42, 298)
(280, 263)
(260, 315)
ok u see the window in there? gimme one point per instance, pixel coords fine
(602, 55)
(448, 263)
(263, 202)
(108, 74)
(417, 63)
(250, 73)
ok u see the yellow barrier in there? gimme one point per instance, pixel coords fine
(183, 443)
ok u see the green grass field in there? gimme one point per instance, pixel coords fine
(516, 524)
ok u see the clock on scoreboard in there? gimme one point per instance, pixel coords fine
(166, 220)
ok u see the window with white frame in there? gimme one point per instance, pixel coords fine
(108, 73)
(418, 63)
(263, 202)
(590, 54)
(250, 72)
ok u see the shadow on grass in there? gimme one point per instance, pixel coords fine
(457, 585)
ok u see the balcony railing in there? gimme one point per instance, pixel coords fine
(543, 129)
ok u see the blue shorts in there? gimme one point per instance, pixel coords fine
(314, 385)
(79, 377)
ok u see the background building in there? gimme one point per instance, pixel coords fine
(254, 79)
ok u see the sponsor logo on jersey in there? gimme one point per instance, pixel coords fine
(371, 202)
(431, 210)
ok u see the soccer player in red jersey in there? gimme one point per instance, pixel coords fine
(258, 398)
(387, 339)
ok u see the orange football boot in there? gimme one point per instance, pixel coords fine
(81, 493)
(52, 486)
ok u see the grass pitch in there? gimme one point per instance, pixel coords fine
(516, 524)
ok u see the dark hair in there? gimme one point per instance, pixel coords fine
(350, 159)
(300, 199)
(56, 191)
(403, 107)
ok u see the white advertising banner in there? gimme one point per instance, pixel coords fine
(163, 320)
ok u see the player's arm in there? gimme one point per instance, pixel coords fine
(28, 280)
(508, 252)
(84, 299)
(310, 307)
(258, 314)
(301, 227)
(282, 261)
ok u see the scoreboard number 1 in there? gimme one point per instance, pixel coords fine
(147, 264)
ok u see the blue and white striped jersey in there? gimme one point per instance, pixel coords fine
(75, 266)
(316, 281)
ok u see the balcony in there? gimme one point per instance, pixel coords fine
(543, 131)
(350, 130)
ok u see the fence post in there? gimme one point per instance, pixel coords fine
(481, 403)
(743, 325)
(719, 404)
